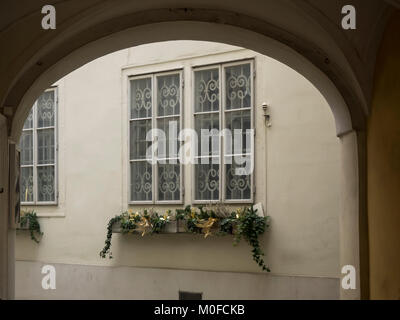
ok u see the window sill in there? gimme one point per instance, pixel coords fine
(51, 215)
(225, 202)
(155, 203)
(44, 210)
(38, 204)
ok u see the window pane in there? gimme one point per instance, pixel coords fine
(238, 87)
(138, 143)
(207, 181)
(167, 143)
(207, 129)
(29, 120)
(168, 95)
(45, 177)
(46, 110)
(168, 182)
(206, 92)
(26, 184)
(141, 181)
(45, 146)
(238, 185)
(26, 145)
(239, 124)
(141, 98)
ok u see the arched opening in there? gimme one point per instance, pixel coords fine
(184, 30)
(234, 36)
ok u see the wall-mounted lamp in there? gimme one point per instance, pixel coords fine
(267, 114)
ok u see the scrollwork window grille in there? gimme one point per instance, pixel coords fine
(207, 125)
(156, 103)
(223, 98)
(38, 152)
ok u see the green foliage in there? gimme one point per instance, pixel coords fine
(158, 223)
(243, 223)
(228, 225)
(30, 220)
(180, 214)
(128, 222)
(250, 226)
(106, 249)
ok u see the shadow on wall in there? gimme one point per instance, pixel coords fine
(384, 169)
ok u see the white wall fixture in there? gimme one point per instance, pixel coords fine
(267, 114)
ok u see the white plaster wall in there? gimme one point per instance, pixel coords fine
(99, 282)
(297, 172)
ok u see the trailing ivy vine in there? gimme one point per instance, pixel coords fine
(250, 226)
(242, 223)
(106, 249)
(30, 220)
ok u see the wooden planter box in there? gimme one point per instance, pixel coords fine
(24, 226)
(183, 229)
(175, 226)
(171, 227)
(116, 228)
(181, 226)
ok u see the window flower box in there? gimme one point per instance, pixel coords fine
(181, 226)
(24, 226)
(247, 223)
(29, 222)
(116, 227)
(171, 227)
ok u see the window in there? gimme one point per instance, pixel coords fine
(38, 152)
(230, 107)
(220, 128)
(155, 110)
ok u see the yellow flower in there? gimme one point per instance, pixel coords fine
(193, 214)
(143, 226)
(206, 226)
(167, 214)
(238, 212)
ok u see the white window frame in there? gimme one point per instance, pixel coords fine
(35, 164)
(222, 122)
(193, 123)
(154, 118)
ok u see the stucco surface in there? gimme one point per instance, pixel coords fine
(96, 282)
(297, 171)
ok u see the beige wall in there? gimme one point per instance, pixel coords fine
(121, 282)
(384, 169)
(297, 172)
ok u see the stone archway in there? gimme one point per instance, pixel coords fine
(342, 96)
